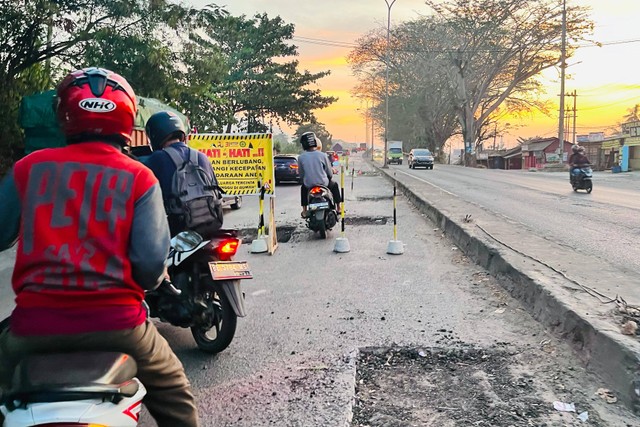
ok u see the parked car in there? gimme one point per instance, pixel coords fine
(286, 168)
(233, 202)
(420, 157)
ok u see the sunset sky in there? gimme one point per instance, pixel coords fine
(607, 78)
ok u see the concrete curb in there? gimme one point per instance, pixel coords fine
(612, 356)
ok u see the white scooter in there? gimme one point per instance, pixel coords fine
(74, 390)
(99, 389)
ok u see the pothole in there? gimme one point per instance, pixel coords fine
(284, 233)
(366, 220)
(373, 198)
(457, 386)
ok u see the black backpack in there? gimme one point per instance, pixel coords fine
(195, 201)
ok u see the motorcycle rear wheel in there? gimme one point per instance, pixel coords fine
(224, 326)
(322, 229)
(589, 188)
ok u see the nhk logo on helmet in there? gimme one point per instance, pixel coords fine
(97, 105)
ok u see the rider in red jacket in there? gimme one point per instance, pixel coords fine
(92, 236)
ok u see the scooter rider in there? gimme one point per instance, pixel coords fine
(315, 169)
(577, 161)
(167, 134)
(92, 236)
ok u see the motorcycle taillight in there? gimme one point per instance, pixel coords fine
(317, 191)
(227, 248)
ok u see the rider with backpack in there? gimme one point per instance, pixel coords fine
(192, 197)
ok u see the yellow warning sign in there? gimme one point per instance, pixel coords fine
(242, 162)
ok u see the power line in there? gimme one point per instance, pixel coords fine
(339, 43)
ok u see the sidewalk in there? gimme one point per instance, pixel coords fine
(554, 282)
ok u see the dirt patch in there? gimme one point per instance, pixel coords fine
(445, 387)
(366, 220)
(283, 232)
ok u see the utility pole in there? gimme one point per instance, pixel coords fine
(372, 130)
(495, 134)
(575, 114)
(563, 54)
(386, 124)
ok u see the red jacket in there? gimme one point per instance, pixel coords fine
(73, 272)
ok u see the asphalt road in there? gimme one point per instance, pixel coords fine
(602, 224)
(310, 309)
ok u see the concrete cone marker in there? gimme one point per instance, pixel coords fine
(259, 245)
(342, 244)
(395, 246)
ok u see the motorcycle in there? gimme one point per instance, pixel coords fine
(205, 292)
(100, 388)
(74, 389)
(322, 214)
(582, 180)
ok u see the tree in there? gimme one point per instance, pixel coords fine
(260, 86)
(633, 114)
(496, 49)
(35, 32)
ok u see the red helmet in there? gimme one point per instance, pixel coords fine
(93, 103)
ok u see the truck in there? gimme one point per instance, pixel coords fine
(394, 153)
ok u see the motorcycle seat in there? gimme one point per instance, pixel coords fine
(223, 232)
(72, 376)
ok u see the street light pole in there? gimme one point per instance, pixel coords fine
(386, 124)
(563, 59)
(372, 130)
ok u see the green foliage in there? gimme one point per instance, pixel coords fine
(260, 85)
(218, 69)
(282, 144)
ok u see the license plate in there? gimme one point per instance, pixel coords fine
(316, 206)
(230, 270)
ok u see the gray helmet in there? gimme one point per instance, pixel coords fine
(575, 148)
(164, 125)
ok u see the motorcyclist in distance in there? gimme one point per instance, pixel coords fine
(92, 237)
(315, 169)
(577, 161)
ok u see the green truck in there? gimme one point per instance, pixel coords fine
(394, 153)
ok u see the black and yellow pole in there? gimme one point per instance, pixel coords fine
(342, 244)
(259, 245)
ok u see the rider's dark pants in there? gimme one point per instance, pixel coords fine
(169, 398)
(333, 186)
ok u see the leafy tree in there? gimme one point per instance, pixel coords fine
(472, 62)
(496, 49)
(176, 70)
(35, 32)
(633, 114)
(260, 86)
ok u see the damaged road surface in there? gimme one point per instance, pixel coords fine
(461, 386)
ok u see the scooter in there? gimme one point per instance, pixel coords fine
(85, 389)
(74, 390)
(322, 214)
(583, 179)
(205, 293)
